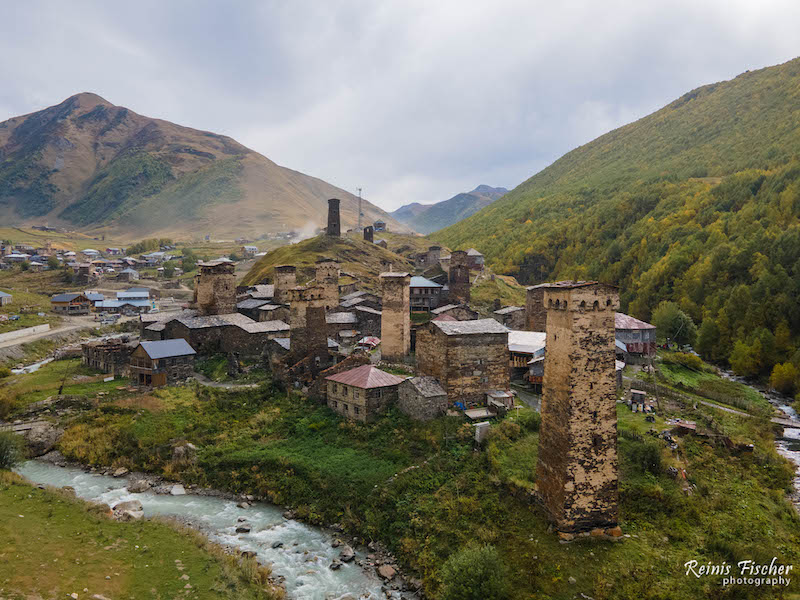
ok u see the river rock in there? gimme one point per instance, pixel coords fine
(387, 572)
(277, 544)
(139, 486)
(187, 451)
(178, 490)
(55, 457)
(335, 565)
(121, 472)
(243, 528)
(243, 505)
(347, 554)
(128, 511)
(336, 543)
(42, 438)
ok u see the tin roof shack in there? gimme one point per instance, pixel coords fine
(161, 363)
(460, 312)
(638, 337)
(70, 304)
(108, 356)
(362, 393)
(512, 317)
(422, 398)
(424, 293)
(469, 358)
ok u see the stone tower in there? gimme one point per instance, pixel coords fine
(433, 256)
(308, 333)
(535, 311)
(215, 288)
(334, 223)
(327, 277)
(458, 278)
(369, 234)
(395, 316)
(285, 278)
(577, 469)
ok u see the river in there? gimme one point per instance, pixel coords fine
(303, 560)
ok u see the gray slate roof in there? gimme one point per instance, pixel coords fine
(508, 309)
(167, 348)
(250, 303)
(341, 318)
(476, 327)
(426, 386)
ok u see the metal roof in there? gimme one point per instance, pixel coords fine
(262, 290)
(353, 295)
(251, 303)
(268, 306)
(4, 295)
(473, 252)
(444, 318)
(119, 303)
(167, 348)
(368, 309)
(286, 343)
(65, 297)
(366, 377)
(526, 342)
(623, 321)
(474, 327)
(422, 282)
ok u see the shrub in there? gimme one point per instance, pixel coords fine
(4, 372)
(475, 573)
(10, 450)
(530, 420)
(647, 457)
(690, 361)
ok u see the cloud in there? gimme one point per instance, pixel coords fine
(411, 100)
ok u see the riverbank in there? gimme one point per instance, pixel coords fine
(55, 545)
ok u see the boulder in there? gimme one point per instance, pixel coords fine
(121, 472)
(128, 511)
(336, 543)
(597, 532)
(346, 554)
(243, 528)
(139, 486)
(335, 565)
(387, 572)
(614, 531)
(567, 537)
(277, 544)
(42, 438)
(187, 451)
(177, 490)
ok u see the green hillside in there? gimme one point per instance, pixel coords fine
(698, 203)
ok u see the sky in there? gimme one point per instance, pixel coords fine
(413, 101)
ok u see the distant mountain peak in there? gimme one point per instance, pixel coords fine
(427, 218)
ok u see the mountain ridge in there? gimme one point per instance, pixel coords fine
(427, 218)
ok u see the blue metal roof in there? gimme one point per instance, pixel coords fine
(419, 282)
(4, 295)
(167, 348)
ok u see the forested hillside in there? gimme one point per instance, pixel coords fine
(698, 203)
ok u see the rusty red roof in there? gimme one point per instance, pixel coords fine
(366, 377)
(623, 321)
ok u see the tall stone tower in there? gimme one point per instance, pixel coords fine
(577, 470)
(308, 333)
(458, 278)
(285, 278)
(395, 316)
(334, 223)
(369, 234)
(535, 311)
(327, 278)
(215, 288)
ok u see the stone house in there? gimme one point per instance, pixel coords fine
(70, 304)
(425, 294)
(638, 337)
(422, 398)
(109, 356)
(361, 394)
(512, 317)
(469, 358)
(161, 363)
(369, 320)
(340, 321)
(249, 251)
(474, 259)
(249, 307)
(272, 312)
(128, 275)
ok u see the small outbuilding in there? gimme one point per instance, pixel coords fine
(422, 398)
(362, 393)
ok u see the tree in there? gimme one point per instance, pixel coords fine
(53, 263)
(475, 573)
(234, 257)
(673, 324)
(25, 265)
(189, 260)
(708, 339)
(10, 450)
(785, 378)
(746, 358)
(169, 269)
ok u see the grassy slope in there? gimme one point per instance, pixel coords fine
(297, 452)
(54, 545)
(27, 306)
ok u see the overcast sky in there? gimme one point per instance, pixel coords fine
(413, 101)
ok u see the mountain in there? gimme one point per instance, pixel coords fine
(697, 203)
(426, 218)
(88, 164)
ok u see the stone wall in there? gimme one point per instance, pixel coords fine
(215, 289)
(327, 279)
(359, 404)
(458, 278)
(535, 312)
(577, 471)
(395, 316)
(419, 406)
(284, 279)
(334, 221)
(369, 234)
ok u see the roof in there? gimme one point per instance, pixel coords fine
(568, 284)
(353, 302)
(122, 302)
(262, 290)
(268, 306)
(195, 322)
(473, 252)
(264, 326)
(426, 386)
(422, 282)
(621, 345)
(215, 263)
(94, 296)
(286, 343)
(369, 340)
(167, 348)
(444, 318)
(394, 274)
(446, 307)
(353, 295)
(623, 321)
(366, 377)
(251, 248)
(475, 327)
(133, 294)
(341, 318)
(65, 297)
(367, 309)
(508, 309)
(525, 342)
(129, 270)
(251, 303)
(157, 326)
(4, 295)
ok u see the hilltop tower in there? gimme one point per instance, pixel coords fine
(334, 222)
(395, 316)
(327, 278)
(215, 288)
(369, 234)
(285, 279)
(577, 471)
(458, 278)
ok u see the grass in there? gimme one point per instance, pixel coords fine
(216, 369)
(26, 305)
(483, 295)
(55, 545)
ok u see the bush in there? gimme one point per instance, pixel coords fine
(690, 361)
(4, 372)
(10, 450)
(647, 457)
(530, 420)
(475, 573)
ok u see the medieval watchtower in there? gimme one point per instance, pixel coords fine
(535, 310)
(327, 278)
(395, 316)
(307, 334)
(369, 234)
(215, 288)
(458, 280)
(285, 278)
(334, 222)
(577, 471)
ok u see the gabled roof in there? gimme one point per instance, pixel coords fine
(508, 309)
(473, 252)
(444, 318)
(367, 309)
(262, 291)
(422, 282)
(526, 342)
(475, 327)
(250, 303)
(167, 348)
(94, 296)
(4, 295)
(341, 318)
(426, 386)
(623, 321)
(356, 294)
(366, 377)
(264, 326)
(66, 297)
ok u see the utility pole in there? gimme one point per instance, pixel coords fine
(360, 214)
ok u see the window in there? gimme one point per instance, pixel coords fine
(346, 408)
(356, 409)
(335, 404)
